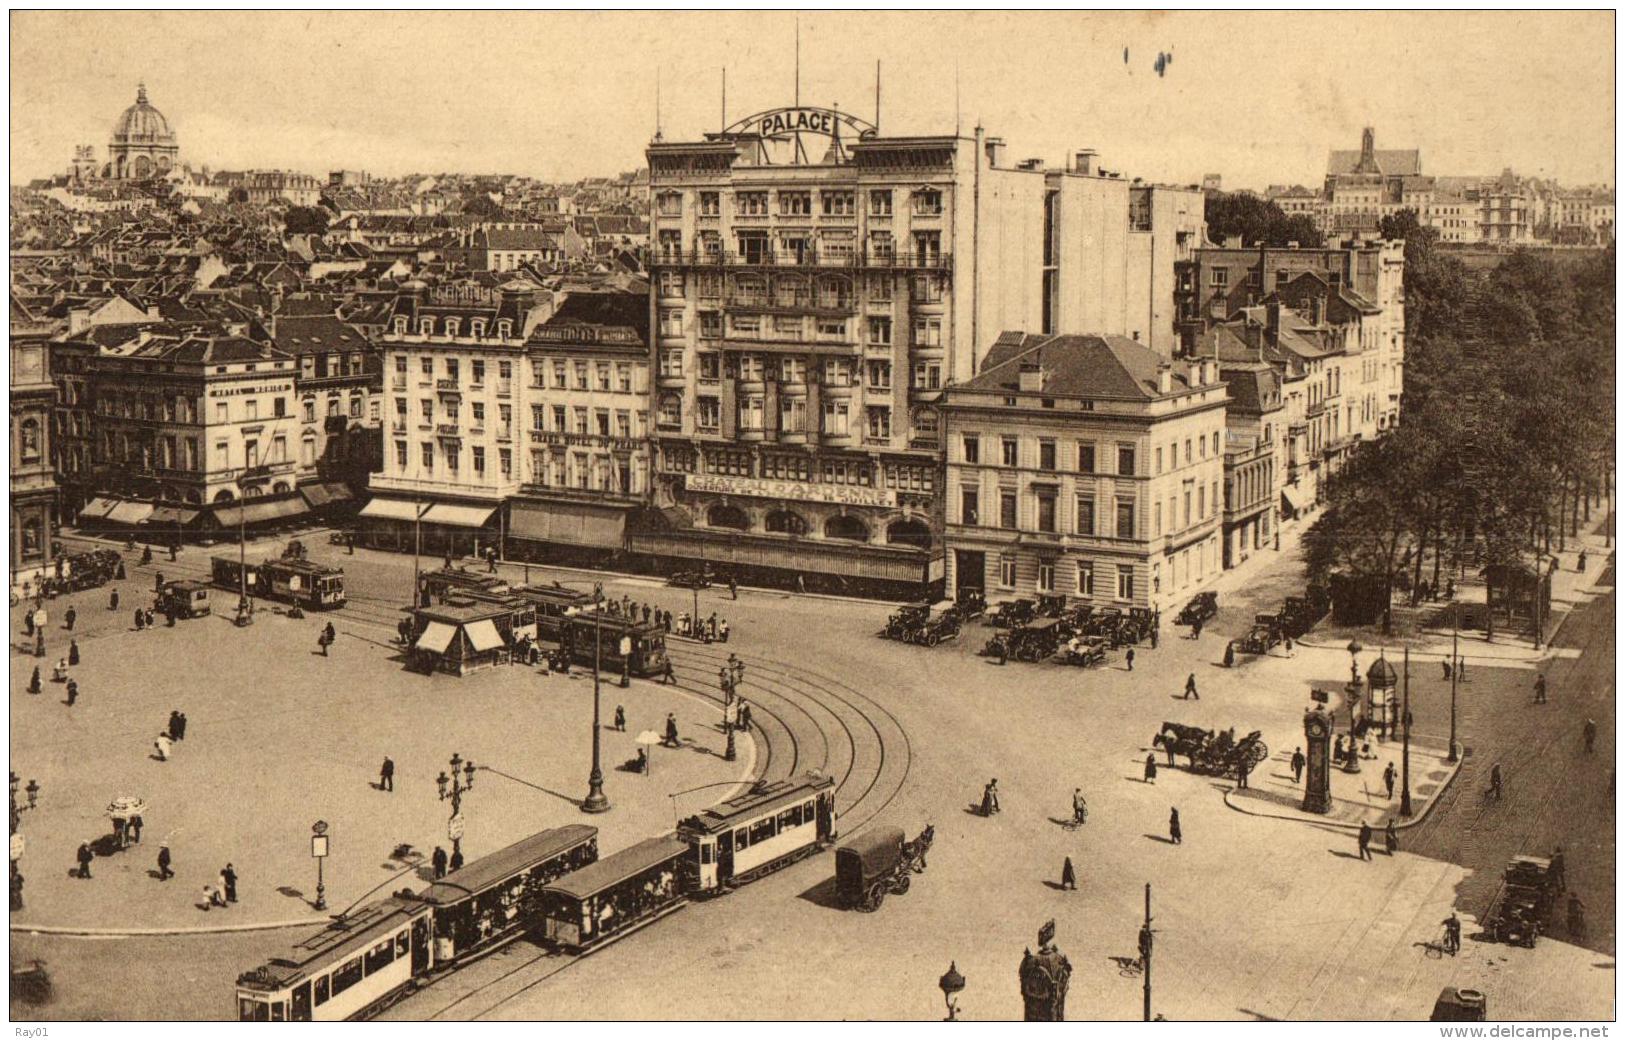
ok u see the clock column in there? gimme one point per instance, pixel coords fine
(1317, 789)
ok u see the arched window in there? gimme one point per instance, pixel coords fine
(194, 497)
(909, 532)
(224, 495)
(29, 446)
(504, 328)
(476, 328)
(843, 527)
(727, 517)
(280, 488)
(425, 326)
(253, 491)
(400, 326)
(454, 326)
(786, 522)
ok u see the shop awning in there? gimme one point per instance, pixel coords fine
(1296, 500)
(393, 509)
(575, 524)
(98, 508)
(436, 637)
(172, 515)
(483, 635)
(258, 512)
(458, 516)
(130, 512)
(326, 493)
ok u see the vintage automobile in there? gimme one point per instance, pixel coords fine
(906, 622)
(186, 599)
(1265, 634)
(933, 631)
(1051, 605)
(1528, 894)
(691, 579)
(1035, 641)
(1014, 612)
(1141, 622)
(1299, 614)
(971, 604)
(878, 862)
(1087, 651)
(1201, 607)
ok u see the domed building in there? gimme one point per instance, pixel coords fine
(143, 144)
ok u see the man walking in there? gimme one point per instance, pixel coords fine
(228, 878)
(1388, 779)
(1129, 658)
(73, 693)
(620, 717)
(1175, 834)
(671, 730)
(666, 675)
(1298, 763)
(1365, 841)
(1590, 734)
(71, 617)
(321, 641)
(1190, 688)
(1069, 877)
(733, 583)
(85, 857)
(180, 735)
(1151, 767)
(386, 775)
(439, 862)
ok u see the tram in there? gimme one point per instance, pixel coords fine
(761, 831)
(292, 580)
(647, 646)
(460, 581)
(622, 892)
(552, 604)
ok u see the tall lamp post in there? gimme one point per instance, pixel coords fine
(1405, 756)
(454, 787)
(318, 849)
(1455, 646)
(596, 801)
(1351, 764)
(729, 677)
(951, 983)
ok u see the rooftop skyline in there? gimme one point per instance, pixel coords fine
(565, 96)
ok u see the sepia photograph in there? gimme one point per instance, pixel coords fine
(716, 518)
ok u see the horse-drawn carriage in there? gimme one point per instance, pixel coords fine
(1266, 633)
(1217, 753)
(876, 863)
(1201, 607)
(1528, 895)
(1014, 612)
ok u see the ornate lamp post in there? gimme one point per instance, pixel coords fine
(596, 801)
(318, 849)
(951, 983)
(1455, 647)
(1405, 757)
(453, 787)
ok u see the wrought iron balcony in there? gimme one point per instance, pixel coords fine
(908, 260)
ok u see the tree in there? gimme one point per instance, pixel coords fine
(306, 220)
(1257, 221)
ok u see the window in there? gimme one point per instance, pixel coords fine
(1046, 455)
(927, 288)
(831, 329)
(220, 412)
(972, 448)
(623, 378)
(1008, 446)
(669, 413)
(1086, 458)
(1086, 578)
(1046, 576)
(837, 372)
(1046, 511)
(928, 202)
(400, 455)
(1219, 278)
(380, 956)
(927, 375)
(1007, 509)
(879, 421)
(671, 363)
(793, 415)
(1007, 572)
(880, 202)
(882, 249)
(1156, 513)
(750, 412)
(451, 368)
(835, 418)
(476, 373)
(1125, 518)
(1215, 442)
(710, 204)
(928, 332)
(1125, 460)
(708, 413)
(671, 323)
(792, 370)
(969, 506)
(1201, 502)
(347, 976)
(1125, 582)
(1159, 460)
(880, 330)
(1086, 515)
(879, 374)
(839, 203)
(795, 204)
(1188, 451)
(670, 204)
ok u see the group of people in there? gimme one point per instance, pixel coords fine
(222, 892)
(443, 864)
(1390, 837)
(174, 731)
(706, 630)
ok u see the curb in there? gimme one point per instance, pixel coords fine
(199, 930)
(1306, 818)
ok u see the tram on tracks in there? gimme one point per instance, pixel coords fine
(622, 892)
(367, 959)
(291, 580)
(761, 831)
(460, 581)
(553, 607)
(646, 643)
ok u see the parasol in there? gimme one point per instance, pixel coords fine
(127, 806)
(649, 737)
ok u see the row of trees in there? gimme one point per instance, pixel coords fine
(1257, 221)
(1506, 427)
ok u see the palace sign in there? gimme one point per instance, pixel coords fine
(840, 494)
(780, 123)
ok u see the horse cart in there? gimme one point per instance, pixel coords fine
(1216, 753)
(876, 863)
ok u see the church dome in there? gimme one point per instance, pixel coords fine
(141, 122)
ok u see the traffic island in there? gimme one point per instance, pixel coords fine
(1356, 798)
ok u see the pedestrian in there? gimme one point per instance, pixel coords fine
(1001, 651)
(33, 792)
(1298, 763)
(174, 550)
(140, 620)
(666, 623)
(990, 798)
(112, 600)
(1196, 629)
(1175, 835)
(119, 833)
(438, 860)
(1153, 639)
(28, 623)
(722, 630)
(620, 717)
(1590, 732)
(1445, 665)
(491, 560)
(149, 617)
(16, 888)
(73, 652)
(162, 745)
(39, 643)
(448, 560)
(321, 641)
(1151, 767)
(34, 682)
(1069, 877)
(801, 583)
(1540, 689)
(85, 857)
(1242, 767)
(134, 828)
(645, 614)
(1580, 565)
(1495, 781)
(73, 691)
(386, 775)
(1190, 688)
(180, 734)
(212, 896)
(164, 874)
(1080, 807)
(1365, 841)
(228, 882)
(1452, 934)
(158, 577)
(671, 730)
(71, 617)
(456, 862)
(1287, 643)
(1390, 838)
(1559, 874)
(1388, 779)
(331, 633)
(666, 675)
(1129, 658)
(1461, 669)
(1230, 654)
(733, 583)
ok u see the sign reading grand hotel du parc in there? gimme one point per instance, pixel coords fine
(763, 488)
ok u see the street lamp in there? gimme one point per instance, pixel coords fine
(596, 801)
(318, 849)
(951, 983)
(725, 681)
(1455, 647)
(1405, 757)
(453, 787)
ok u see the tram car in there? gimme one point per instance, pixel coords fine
(771, 825)
(455, 581)
(624, 891)
(551, 603)
(647, 647)
(292, 580)
(365, 960)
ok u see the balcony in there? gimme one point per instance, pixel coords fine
(448, 430)
(257, 472)
(448, 384)
(912, 260)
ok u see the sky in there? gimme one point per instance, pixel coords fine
(1257, 97)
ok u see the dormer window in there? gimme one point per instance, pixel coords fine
(454, 325)
(476, 328)
(505, 328)
(425, 326)
(400, 326)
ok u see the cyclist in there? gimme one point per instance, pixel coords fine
(1452, 934)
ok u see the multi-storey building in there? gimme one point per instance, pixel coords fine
(1454, 217)
(1088, 466)
(454, 360)
(807, 313)
(1504, 215)
(1364, 186)
(1253, 436)
(584, 403)
(33, 480)
(338, 387)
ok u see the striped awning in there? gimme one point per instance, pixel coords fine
(258, 512)
(167, 515)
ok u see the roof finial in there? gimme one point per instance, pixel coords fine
(140, 93)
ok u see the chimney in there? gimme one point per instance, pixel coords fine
(994, 146)
(1210, 373)
(1165, 378)
(1032, 377)
(78, 320)
(1272, 322)
(1232, 242)
(1084, 161)
(154, 313)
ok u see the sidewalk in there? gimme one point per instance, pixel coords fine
(1355, 797)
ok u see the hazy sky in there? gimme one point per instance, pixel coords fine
(1257, 97)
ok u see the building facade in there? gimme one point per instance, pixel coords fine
(1087, 466)
(33, 479)
(143, 145)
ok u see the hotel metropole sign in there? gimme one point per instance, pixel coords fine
(837, 494)
(780, 123)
